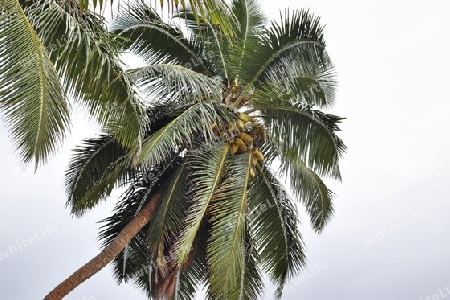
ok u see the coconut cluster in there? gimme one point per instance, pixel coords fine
(242, 137)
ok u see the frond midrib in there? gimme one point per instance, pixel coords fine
(37, 46)
(219, 47)
(242, 212)
(211, 192)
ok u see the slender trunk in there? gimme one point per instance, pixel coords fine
(108, 254)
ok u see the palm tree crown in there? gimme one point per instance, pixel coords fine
(227, 119)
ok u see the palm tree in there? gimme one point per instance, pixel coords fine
(228, 118)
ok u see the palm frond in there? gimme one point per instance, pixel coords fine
(179, 133)
(251, 22)
(175, 83)
(304, 132)
(274, 225)
(217, 14)
(31, 96)
(145, 185)
(193, 274)
(226, 244)
(86, 57)
(300, 31)
(311, 82)
(93, 172)
(251, 282)
(216, 44)
(310, 189)
(207, 169)
(171, 212)
(135, 260)
(306, 185)
(147, 35)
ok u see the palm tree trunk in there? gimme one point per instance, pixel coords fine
(108, 254)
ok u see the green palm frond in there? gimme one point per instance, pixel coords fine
(207, 170)
(274, 225)
(171, 212)
(306, 185)
(102, 163)
(217, 13)
(309, 145)
(251, 282)
(251, 22)
(180, 132)
(31, 96)
(175, 83)
(226, 244)
(193, 274)
(303, 132)
(300, 31)
(93, 171)
(86, 57)
(311, 82)
(147, 35)
(310, 189)
(215, 43)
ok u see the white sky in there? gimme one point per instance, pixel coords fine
(392, 59)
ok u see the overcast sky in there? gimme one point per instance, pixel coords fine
(388, 239)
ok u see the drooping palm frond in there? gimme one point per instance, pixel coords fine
(86, 57)
(102, 163)
(173, 209)
(193, 274)
(309, 147)
(135, 259)
(251, 282)
(31, 96)
(274, 225)
(310, 189)
(303, 132)
(207, 176)
(93, 171)
(226, 244)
